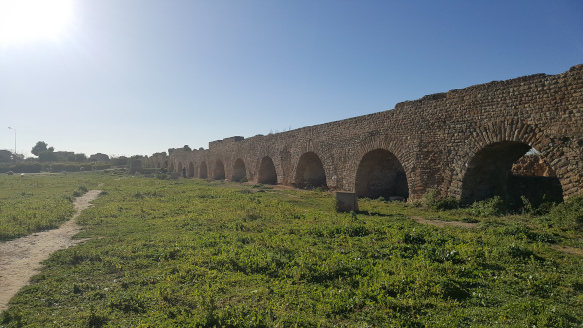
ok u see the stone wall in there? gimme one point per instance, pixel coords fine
(461, 143)
(532, 165)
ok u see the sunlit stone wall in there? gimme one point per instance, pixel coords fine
(440, 142)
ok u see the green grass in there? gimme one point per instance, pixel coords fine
(38, 202)
(190, 253)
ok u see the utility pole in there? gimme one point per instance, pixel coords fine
(14, 142)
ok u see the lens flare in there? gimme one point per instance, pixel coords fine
(23, 21)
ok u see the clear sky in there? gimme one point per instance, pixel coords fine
(141, 76)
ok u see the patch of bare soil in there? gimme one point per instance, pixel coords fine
(20, 258)
(569, 250)
(440, 223)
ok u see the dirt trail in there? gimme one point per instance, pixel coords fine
(439, 223)
(20, 258)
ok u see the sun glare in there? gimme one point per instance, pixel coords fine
(24, 21)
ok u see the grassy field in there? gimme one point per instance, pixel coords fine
(38, 202)
(191, 253)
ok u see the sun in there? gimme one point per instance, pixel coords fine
(23, 21)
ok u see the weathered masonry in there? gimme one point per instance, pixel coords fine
(461, 143)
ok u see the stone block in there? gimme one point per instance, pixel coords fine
(346, 201)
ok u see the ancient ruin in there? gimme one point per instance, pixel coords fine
(461, 143)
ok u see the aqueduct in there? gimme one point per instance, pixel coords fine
(461, 143)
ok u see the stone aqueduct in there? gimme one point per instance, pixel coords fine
(461, 143)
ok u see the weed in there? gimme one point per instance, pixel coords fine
(489, 207)
(431, 199)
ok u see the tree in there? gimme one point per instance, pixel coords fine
(40, 147)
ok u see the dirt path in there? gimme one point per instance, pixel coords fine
(20, 259)
(439, 223)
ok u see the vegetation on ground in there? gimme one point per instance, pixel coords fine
(192, 253)
(34, 203)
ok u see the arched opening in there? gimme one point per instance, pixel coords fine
(179, 169)
(219, 171)
(202, 174)
(190, 169)
(380, 174)
(310, 172)
(171, 167)
(239, 171)
(267, 173)
(510, 170)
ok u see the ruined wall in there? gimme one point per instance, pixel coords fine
(532, 165)
(441, 141)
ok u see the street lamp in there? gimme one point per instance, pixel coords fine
(14, 141)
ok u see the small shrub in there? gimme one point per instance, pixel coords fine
(430, 197)
(489, 207)
(470, 220)
(449, 203)
(76, 193)
(161, 176)
(570, 212)
(416, 204)
(83, 189)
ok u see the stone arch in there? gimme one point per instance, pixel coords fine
(381, 174)
(502, 136)
(171, 167)
(239, 171)
(267, 173)
(324, 152)
(489, 173)
(202, 171)
(310, 172)
(179, 168)
(190, 170)
(219, 170)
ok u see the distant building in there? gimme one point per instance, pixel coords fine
(99, 157)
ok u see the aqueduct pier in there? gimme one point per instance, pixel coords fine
(461, 143)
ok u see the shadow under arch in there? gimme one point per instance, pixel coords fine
(490, 173)
(179, 168)
(381, 174)
(202, 172)
(239, 171)
(267, 173)
(190, 169)
(310, 172)
(219, 171)
(171, 167)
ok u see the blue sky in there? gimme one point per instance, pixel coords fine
(141, 76)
